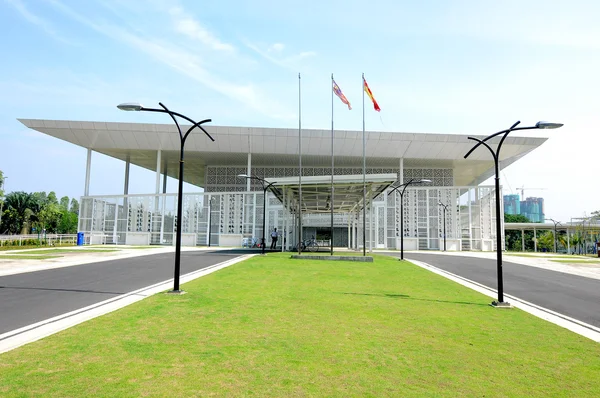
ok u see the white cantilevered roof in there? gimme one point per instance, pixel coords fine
(279, 146)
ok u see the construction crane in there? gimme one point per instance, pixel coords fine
(522, 189)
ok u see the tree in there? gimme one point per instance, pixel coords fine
(576, 241)
(514, 218)
(64, 203)
(40, 198)
(546, 241)
(512, 238)
(74, 206)
(1, 199)
(49, 217)
(68, 223)
(1, 184)
(21, 206)
(51, 199)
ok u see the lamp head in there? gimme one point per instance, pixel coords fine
(424, 180)
(548, 125)
(130, 106)
(243, 176)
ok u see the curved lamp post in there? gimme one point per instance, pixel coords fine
(265, 186)
(556, 223)
(445, 208)
(496, 156)
(404, 186)
(131, 106)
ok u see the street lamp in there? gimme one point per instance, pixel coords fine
(265, 186)
(496, 156)
(404, 186)
(445, 208)
(130, 106)
(555, 235)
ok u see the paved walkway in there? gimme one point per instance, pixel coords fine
(80, 256)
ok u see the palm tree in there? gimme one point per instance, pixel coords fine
(24, 205)
(576, 240)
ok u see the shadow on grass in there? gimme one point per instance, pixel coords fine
(407, 297)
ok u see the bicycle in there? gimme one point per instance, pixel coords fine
(309, 244)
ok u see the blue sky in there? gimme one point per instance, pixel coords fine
(465, 67)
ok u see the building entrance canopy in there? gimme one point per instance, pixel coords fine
(316, 191)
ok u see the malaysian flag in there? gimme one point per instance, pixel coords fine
(338, 92)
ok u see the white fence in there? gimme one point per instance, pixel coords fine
(51, 239)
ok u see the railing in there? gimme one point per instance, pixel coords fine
(49, 238)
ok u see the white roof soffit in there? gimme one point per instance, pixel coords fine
(348, 191)
(279, 146)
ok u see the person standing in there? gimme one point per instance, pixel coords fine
(274, 236)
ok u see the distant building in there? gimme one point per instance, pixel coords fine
(533, 208)
(512, 204)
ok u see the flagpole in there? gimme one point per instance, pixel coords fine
(332, 169)
(364, 171)
(299, 165)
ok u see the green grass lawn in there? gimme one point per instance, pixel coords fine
(576, 261)
(25, 257)
(10, 247)
(69, 251)
(543, 255)
(272, 326)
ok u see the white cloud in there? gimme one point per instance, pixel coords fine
(193, 29)
(277, 47)
(186, 63)
(36, 20)
(290, 62)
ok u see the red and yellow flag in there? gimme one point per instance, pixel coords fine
(370, 94)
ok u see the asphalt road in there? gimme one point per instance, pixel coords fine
(575, 296)
(36, 296)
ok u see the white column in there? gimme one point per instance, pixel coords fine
(523, 240)
(568, 242)
(158, 153)
(165, 177)
(88, 167)
(248, 171)
(349, 236)
(209, 218)
(535, 240)
(401, 171)
(126, 186)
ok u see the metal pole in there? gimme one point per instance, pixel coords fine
(264, 216)
(402, 225)
(498, 235)
(179, 216)
(299, 166)
(364, 171)
(332, 169)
